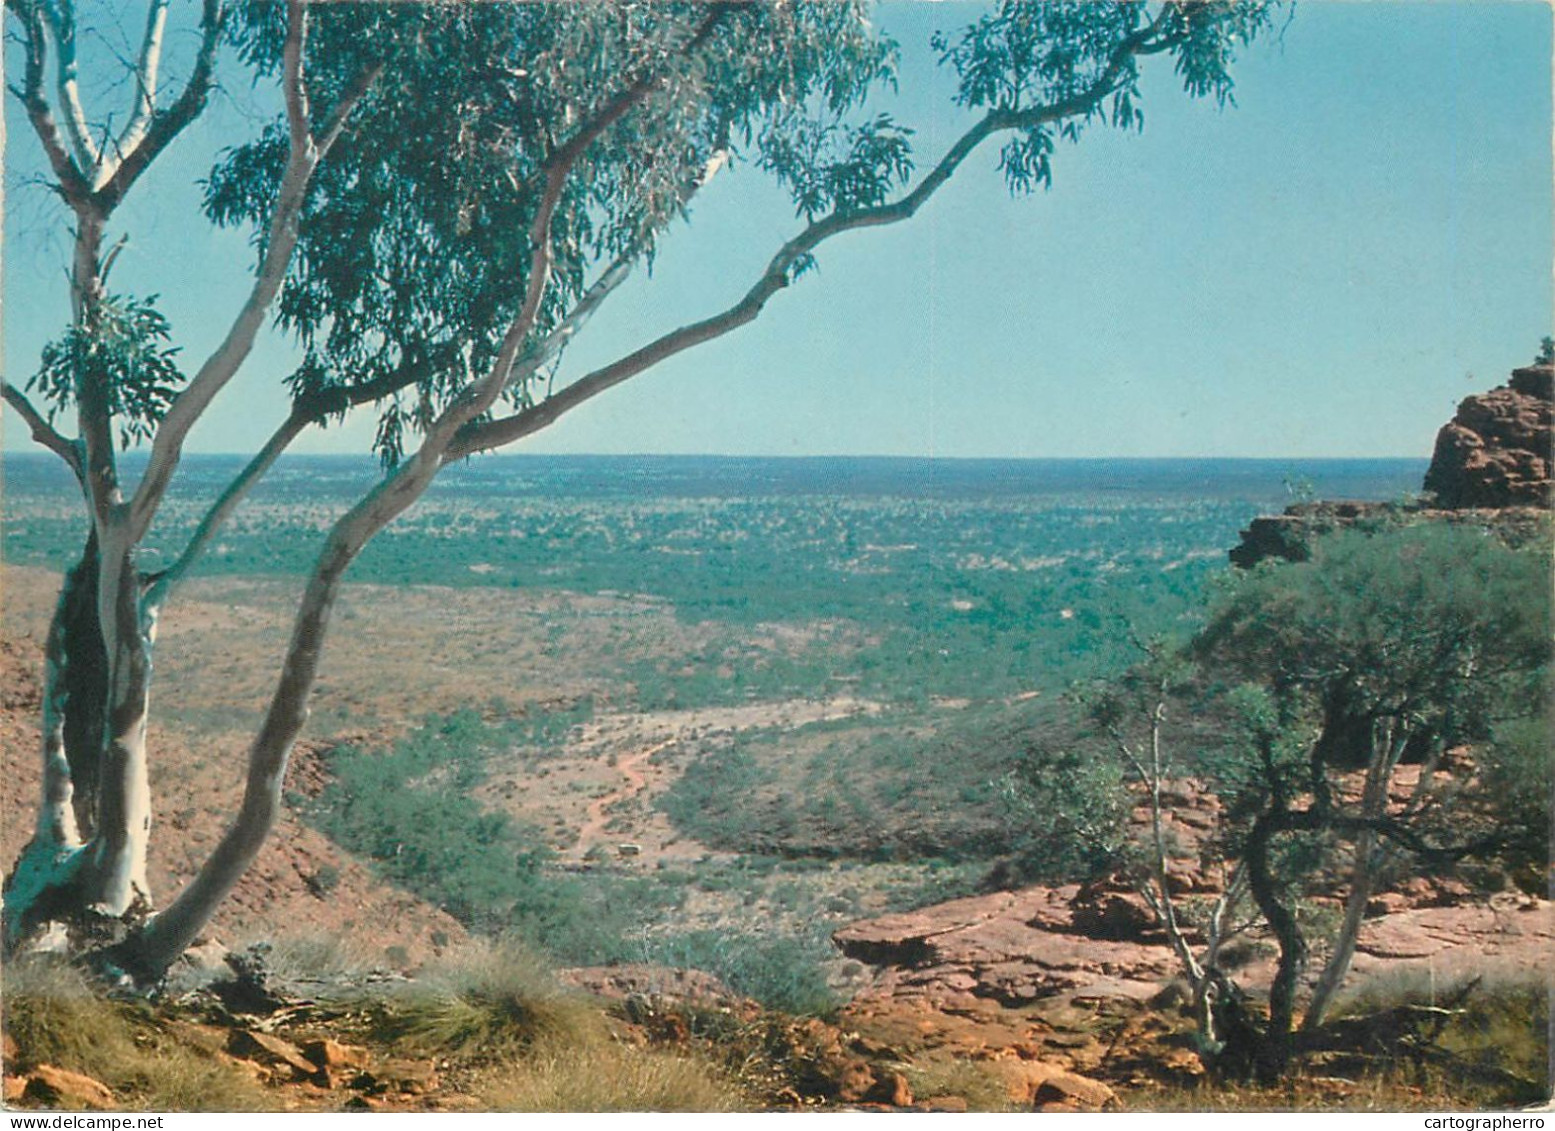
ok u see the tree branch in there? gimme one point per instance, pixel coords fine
(281, 241)
(496, 433)
(163, 126)
(335, 124)
(547, 349)
(42, 431)
(162, 583)
(73, 184)
(557, 168)
(169, 933)
(61, 19)
(146, 72)
(308, 411)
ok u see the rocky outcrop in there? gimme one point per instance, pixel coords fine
(1289, 536)
(1492, 466)
(972, 956)
(1496, 452)
(52, 1087)
(1012, 947)
(1018, 978)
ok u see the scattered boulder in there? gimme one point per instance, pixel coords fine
(56, 1087)
(335, 1063)
(647, 980)
(1120, 915)
(404, 1077)
(1066, 1091)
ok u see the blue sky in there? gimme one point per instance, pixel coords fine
(1324, 269)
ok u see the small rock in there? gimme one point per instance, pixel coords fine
(1112, 915)
(1388, 903)
(1022, 1078)
(269, 1050)
(207, 955)
(407, 1077)
(890, 1088)
(1183, 1065)
(56, 1087)
(855, 1082)
(1067, 1088)
(331, 1055)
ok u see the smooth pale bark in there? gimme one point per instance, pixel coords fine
(146, 76)
(61, 19)
(304, 155)
(1205, 979)
(167, 935)
(116, 880)
(1388, 748)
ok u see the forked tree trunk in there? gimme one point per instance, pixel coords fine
(1273, 1055)
(88, 852)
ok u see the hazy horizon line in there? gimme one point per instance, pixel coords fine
(362, 456)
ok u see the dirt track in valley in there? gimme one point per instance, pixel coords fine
(596, 817)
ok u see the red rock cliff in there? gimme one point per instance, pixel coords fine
(1497, 451)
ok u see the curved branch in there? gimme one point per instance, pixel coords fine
(335, 124)
(479, 397)
(547, 349)
(308, 411)
(162, 583)
(42, 431)
(779, 273)
(166, 936)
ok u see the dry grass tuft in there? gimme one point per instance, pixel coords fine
(318, 958)
(491, 1003)
(976, 1081)
(56, 1016)
(609, 1077)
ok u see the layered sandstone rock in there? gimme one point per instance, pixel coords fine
(1496, 452)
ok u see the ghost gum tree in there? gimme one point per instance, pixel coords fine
(447, 194)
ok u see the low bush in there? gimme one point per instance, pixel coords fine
(782, 973)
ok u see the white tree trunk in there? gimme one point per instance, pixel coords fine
(116, 883)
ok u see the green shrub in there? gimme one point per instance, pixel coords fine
(783, 973)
